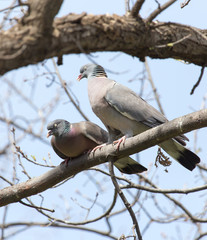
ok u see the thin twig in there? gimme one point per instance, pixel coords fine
(158, 190)
(37, 207)
(3, 222)
(57, 225)
(6, 180)
(153, 86)
(174, 43)
(19, 152)
(121, 194)
(126, 6)
(178, 203)
(9, 8)
(12, 6)
(53, 219)
(182, 5)
(160, 9)
(158, 3)
(63, 83)
(199, 79)
(29, 131)
(201, 236)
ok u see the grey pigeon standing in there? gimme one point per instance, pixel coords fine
(70, 140)
(123, 111)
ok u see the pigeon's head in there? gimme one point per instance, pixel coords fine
(91, 70)
(57, 127)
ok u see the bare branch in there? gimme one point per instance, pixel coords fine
(174, 43)
(201, 236)
(154, 14)
(179, 204)
(12, 6)
(55, 225)
(4, 221)
(122, 196)
(185, 3)
(199, 79)
(153, 86)
(132, 145)
(58, 220)
(64, 85)
(136, 8)
(126, 6)
(157, 190)
(132, 37)
(25, 130)
(28, 205)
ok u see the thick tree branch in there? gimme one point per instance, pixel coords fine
(32, 32)
(41, 14)
(90, 33)
(132, 145)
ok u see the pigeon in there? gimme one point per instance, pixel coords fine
(126, 114)
(70, 140)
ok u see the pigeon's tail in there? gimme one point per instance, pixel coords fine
(184, 156)
(129, 166)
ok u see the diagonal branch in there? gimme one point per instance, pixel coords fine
(132, 145)
(185, 3)
(124, 199)
(64, 85)
(136, 8)
(160, 9)
(199, 79)
(153, 86)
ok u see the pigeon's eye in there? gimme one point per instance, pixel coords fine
(55, 125)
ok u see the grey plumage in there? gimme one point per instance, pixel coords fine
(69, 140)
(123, 112)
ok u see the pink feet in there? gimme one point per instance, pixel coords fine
(97, 147)
(119, 141)
(66, 161)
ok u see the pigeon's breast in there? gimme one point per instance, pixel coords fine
(74, 145)
(97, 88)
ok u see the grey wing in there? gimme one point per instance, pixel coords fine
(94, 132)
(129, 104)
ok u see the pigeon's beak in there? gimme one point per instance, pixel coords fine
(49, 133)
(79, 77)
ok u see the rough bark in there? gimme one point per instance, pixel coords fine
(132, 145)
(37, 36)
